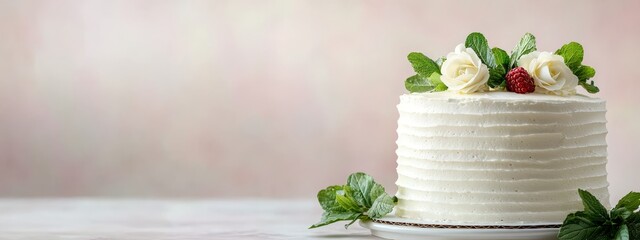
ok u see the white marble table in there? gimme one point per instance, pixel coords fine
(106, 219)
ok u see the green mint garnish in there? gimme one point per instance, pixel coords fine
(501, 56)
(526, 45)
(573, 53)
(595, 223)
(361, 198)
(497, 75)
(424, 80)
(495, 58)
(479, 44)
(422, 64)
(437, 82)
(499, 63)
(631, 201)
(417, 83)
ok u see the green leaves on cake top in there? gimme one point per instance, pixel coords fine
(469, 77)
(480, 45)
(573, 53)
(361, 198)
(526, 45)
(596, 223)
(428, 74)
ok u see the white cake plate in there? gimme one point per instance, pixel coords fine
(391, 227)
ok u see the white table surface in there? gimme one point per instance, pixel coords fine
(106, 219)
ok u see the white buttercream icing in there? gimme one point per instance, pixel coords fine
(499, 157)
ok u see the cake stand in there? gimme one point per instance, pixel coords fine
(392, 227)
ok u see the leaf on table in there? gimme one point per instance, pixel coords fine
(331, 217)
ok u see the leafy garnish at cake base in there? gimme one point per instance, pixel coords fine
(360, 199)
(596, 223)
(573, 53)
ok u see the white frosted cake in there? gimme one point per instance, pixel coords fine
(498, 157)
(492, 140)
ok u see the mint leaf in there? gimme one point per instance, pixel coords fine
(619, 215)
(361, 198)
(375, 192)
(327, 198)
(331, 217)
(361, 184)
(579, 226)
(424, 68)
(623, 233)
(631, 201)
(633, 224)
(573, 53)
(497, 76)
(437, 82)
(346, 201)
(440, 88)
(589, 87)
(423, 65)
(381, 206)
(479, 44)
(592, 205)
(584, 73)
(595, 223)
(501, 56)
(418, 83)
(526, 45)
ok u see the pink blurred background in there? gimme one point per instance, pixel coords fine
(258, 98)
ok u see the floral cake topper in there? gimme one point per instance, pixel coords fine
(475, 67)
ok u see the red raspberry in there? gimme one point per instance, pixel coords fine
(519, 81)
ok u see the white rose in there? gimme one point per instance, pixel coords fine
(463, 71)
(550, 74)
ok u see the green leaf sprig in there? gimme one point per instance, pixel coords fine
(499, 63)
(573, 53)
(596, 223)
(428, 74)
(361, 198)
(526, 45)
(480, 45)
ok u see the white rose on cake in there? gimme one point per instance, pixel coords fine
(549, 72)
(464, 72)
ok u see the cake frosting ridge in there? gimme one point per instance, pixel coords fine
(498, 157)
